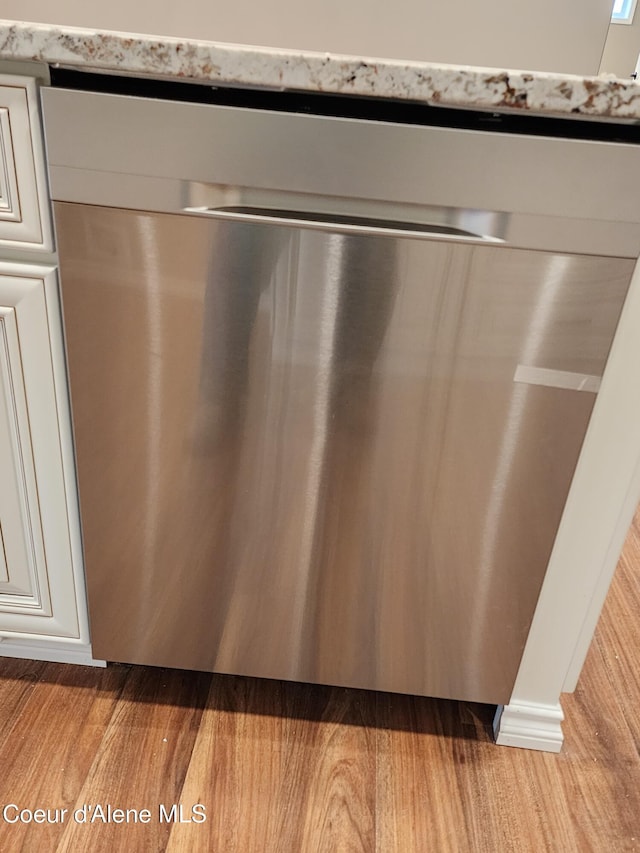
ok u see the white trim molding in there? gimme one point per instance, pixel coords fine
(48, 649)
(529, 725)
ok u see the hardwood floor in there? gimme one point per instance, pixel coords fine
(289, 768)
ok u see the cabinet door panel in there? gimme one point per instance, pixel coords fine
(23, 578)
(24, 215)
(38, 589)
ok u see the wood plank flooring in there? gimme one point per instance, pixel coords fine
(289, 768)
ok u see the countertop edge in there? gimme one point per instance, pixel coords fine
(542, 93)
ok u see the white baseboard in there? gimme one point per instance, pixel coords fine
(529, 725)
(55, 652)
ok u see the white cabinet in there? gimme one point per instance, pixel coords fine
(42, 593)
(24, 214)
(42, 596)
(37, 591)
(24, 589)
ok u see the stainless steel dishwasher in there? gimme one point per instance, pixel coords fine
(330, 379)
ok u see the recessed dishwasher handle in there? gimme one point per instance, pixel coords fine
(341, 223)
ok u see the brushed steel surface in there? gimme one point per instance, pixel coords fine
(534, 192)
(303, 455)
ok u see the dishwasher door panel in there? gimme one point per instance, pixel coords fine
(304, 455)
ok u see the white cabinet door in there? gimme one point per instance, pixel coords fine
(40, 588)
(24, 210)
(23, 575)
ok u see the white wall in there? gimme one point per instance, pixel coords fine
(527, 34)
(622, 48)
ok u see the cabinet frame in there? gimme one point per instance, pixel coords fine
(30, 293)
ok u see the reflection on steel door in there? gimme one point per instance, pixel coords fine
(324, 457)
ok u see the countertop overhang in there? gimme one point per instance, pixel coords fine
(468, 87)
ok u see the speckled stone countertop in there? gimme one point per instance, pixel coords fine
(443, 85)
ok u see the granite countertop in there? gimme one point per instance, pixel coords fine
(225, 64)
